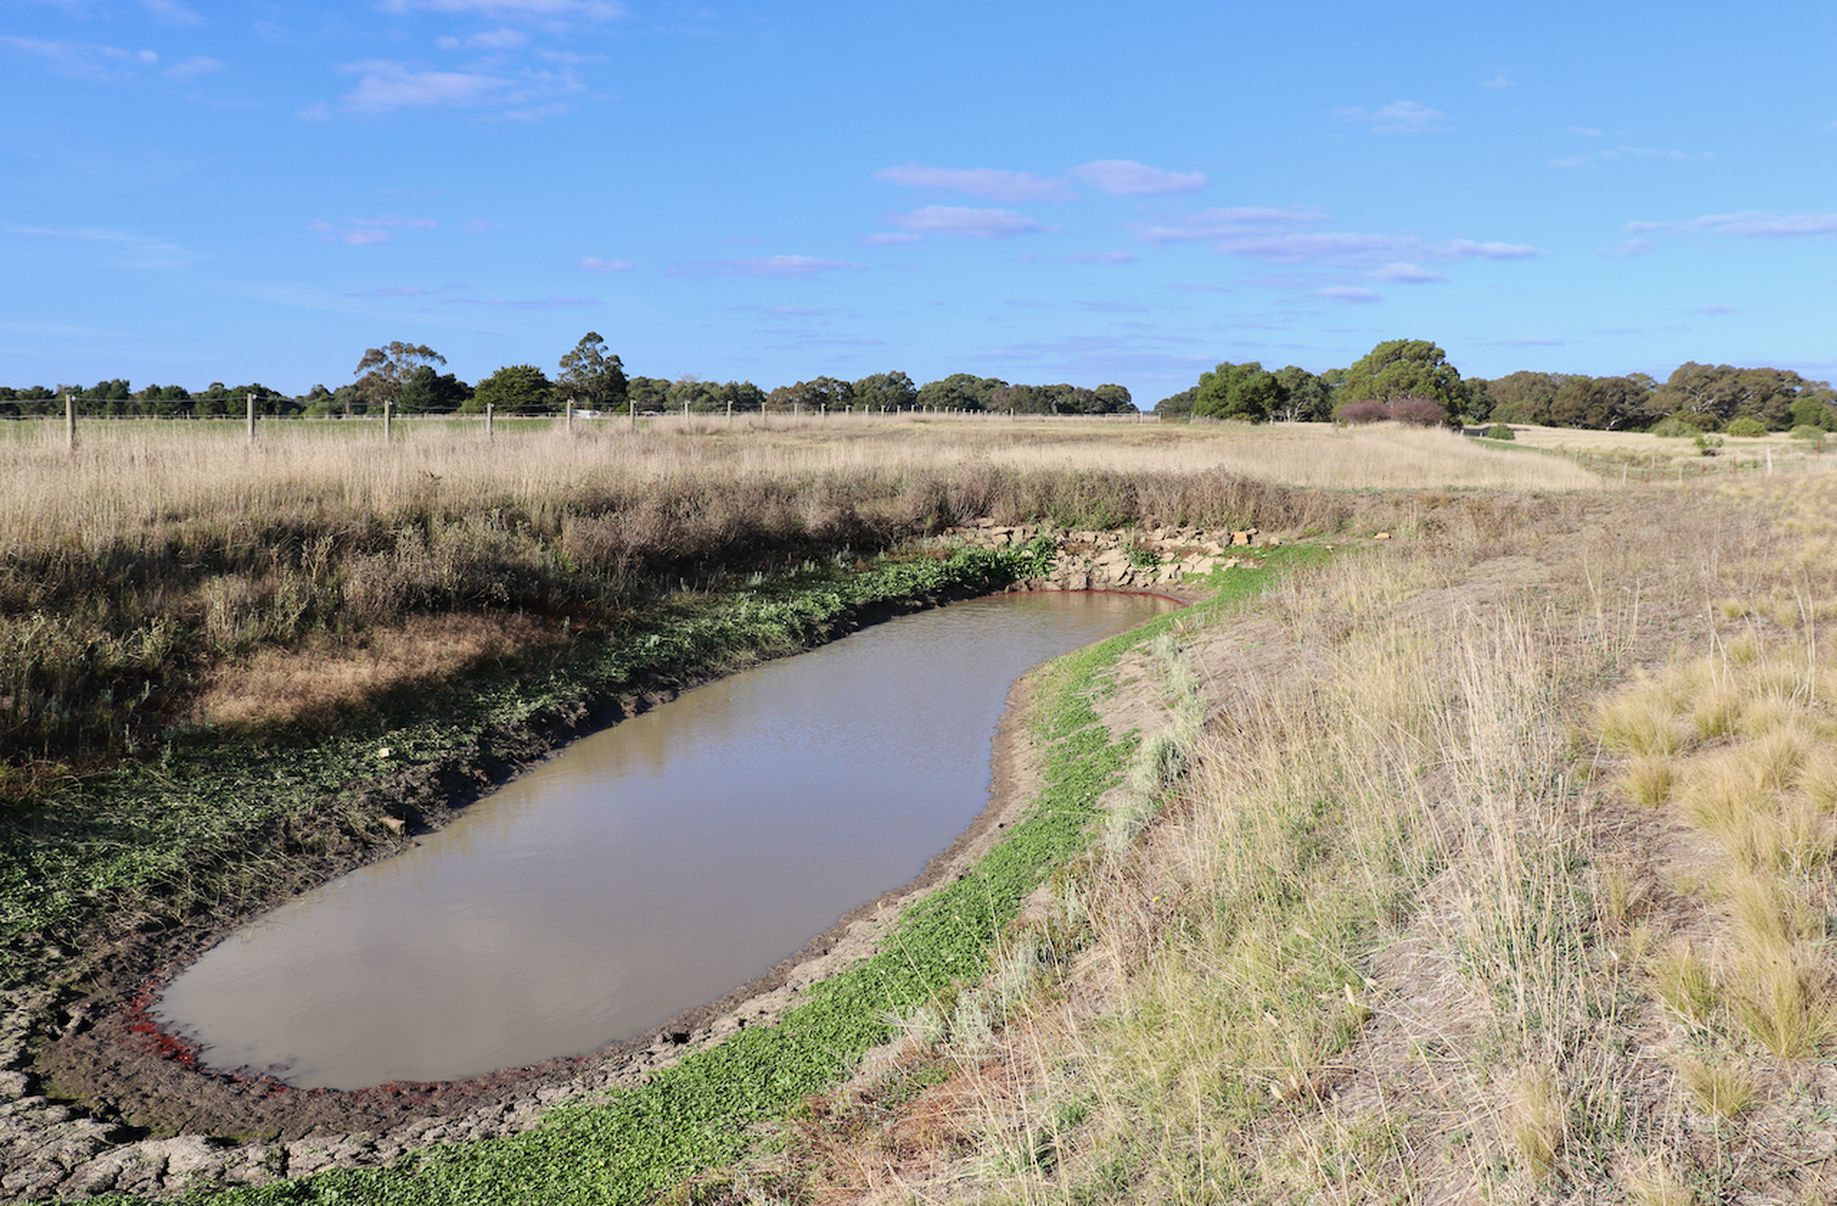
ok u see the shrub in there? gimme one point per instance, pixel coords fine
(1500, 431)
(1746, 428)
(1422, 412)
(1697, 420)
(1809, 433)
(1364, 412)
(1673, 427)
(1707, 444)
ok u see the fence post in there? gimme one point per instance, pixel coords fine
(251, 418)
(730, 408)
(634, 413)
(388, 421)
(490, 418)
(685, 408)
(70, 423)
(570, 418)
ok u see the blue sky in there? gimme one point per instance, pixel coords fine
(1043, 192)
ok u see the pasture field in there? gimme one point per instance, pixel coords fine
(1486, 860)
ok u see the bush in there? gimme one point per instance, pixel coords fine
(1809, 433)
(1420, 412)
(1707, 443)
(1673, 427)
(1364, 412)
(1697, 420)
(1500, 431)
(1746, 428)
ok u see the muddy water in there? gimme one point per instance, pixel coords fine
(645, 870)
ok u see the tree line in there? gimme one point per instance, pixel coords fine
(408, 377)
(1411, 380)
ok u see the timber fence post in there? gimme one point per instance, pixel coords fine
(70, 423)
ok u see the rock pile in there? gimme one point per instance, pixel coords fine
(1137, 559)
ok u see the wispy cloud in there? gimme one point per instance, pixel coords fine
(1583, 131)
(1627, 152)
(1398, 117)
(1499, 81)
(131, 250)
(196, 65)
(489, 39)
(594, 263)
(526, 303)
(1347, 247)
(365, 232)
(171, 12)
(1750, 223)
(386, 86)
(1714, 311)
(1629, 247)
(766, 266)
(1128, 178)
(389, 291)
(990, 184)
(1527, 341)
(1349, 293)
(513, 10)
(968, 222)
(1105, 259)
(1404, 273)
(83, 60)
(1225, 223)
(886, 238)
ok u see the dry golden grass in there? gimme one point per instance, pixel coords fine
(323, 675)
(1399, 942)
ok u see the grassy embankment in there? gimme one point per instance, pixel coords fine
(643, 1141)
(1460, 903)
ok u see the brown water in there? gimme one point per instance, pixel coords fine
(645, 870)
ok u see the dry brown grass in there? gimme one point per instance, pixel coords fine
(322, 676)
(1412, 935)
(132, 568)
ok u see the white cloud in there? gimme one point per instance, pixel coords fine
(594, 263)
(196, 65)
(1398, 117)
(83, 60)
(367, 232)
(887, 238)
(505, 10)
(490, 39)
(1626, 152)
(1127, 178)
(1107, 259)
(992, 184)
(968, 222)
(1469, 249)
(135, 251)
(1583, 131)
(766, 266)
(171, 12)
(1499, 81)
(1349, 293)
(1237, 220)
(384, 86)
(1404, 273)
(1750, 223)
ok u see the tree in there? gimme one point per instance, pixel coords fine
(382, 372)
(592, 376)
(891, 391)
(1403, 368)
(647, 394)
(1237, 391)
(960, 391)
(1302, 397)
(1604, 403)
(515, 387)
(1178, 404)
(1110, 399)
(428, 390)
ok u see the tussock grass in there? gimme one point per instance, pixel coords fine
(1719, 1088)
